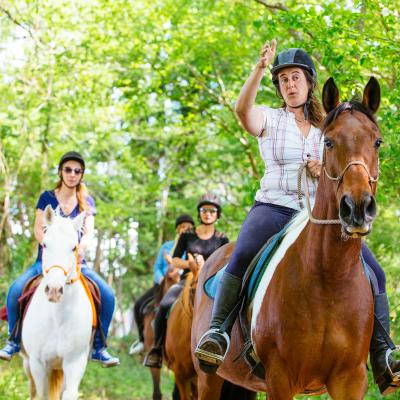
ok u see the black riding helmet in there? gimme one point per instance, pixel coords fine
(209, 198)
(295, 58)
(184, 218)
(71, 156)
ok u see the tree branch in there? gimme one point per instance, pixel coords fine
(277, 6)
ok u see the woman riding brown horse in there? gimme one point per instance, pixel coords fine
(312, 326)
(289, 137)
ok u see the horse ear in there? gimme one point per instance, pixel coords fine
(330, 95)
(78, 221)
(372, 95)
(48, 215)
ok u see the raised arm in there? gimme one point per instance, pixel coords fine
(251, 116)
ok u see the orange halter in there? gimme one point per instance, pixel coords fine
(78, 268)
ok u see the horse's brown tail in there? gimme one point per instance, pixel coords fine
(56, 380)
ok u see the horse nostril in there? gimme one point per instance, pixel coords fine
(47, 289)
(370, 206)
(61, 290)
(346, 208)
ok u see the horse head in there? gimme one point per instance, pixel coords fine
(352, 139)
(60, 252)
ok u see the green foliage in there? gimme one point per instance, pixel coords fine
(146, 91)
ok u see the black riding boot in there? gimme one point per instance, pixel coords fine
(387, 382)
(154, 358)
(214, 344)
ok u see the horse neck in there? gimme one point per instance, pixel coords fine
(330, 246)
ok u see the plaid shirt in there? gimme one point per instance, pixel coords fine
(284, 148)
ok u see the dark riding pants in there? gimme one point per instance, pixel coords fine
(265, 220)
(138, 309)
(160, 320)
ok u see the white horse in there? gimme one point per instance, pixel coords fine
(56, 332)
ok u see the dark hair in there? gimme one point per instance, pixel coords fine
(315, 111)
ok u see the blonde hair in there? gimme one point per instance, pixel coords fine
(81, 194)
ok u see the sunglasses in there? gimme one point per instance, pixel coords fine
(69, 170)
(208, 210)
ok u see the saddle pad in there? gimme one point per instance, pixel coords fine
(211, 284)
(254, 279)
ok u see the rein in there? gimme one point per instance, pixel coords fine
(78, 269)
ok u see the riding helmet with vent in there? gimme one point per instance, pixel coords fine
(210, 198)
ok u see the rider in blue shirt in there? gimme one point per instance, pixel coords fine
(70, 198)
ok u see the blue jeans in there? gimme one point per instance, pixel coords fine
(15, 292)
(265, 220)
(107, 300)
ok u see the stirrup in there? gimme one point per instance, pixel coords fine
(394, 375)
(209, 357)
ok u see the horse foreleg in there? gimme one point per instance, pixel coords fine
(73, 373)
(349, 384)
(40, 378)
(184, 387)
(277, 379)
(209, 386)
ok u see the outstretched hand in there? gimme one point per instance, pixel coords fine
(267, 54)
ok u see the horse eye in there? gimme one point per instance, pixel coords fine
(328, 144)
(74, 248)
(378, 143)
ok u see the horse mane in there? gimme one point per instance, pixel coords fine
(187, 305)
(352, 105)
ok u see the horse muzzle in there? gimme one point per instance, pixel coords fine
(54, 293)
(357, 218)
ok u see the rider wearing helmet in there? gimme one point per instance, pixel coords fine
(70, 197)
(200, 244)
(183, 224)
(288, 137)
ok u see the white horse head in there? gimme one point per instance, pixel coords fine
(60, 252)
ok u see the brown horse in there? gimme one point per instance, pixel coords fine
(148, 334)
(312, 326)
(177, 342)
